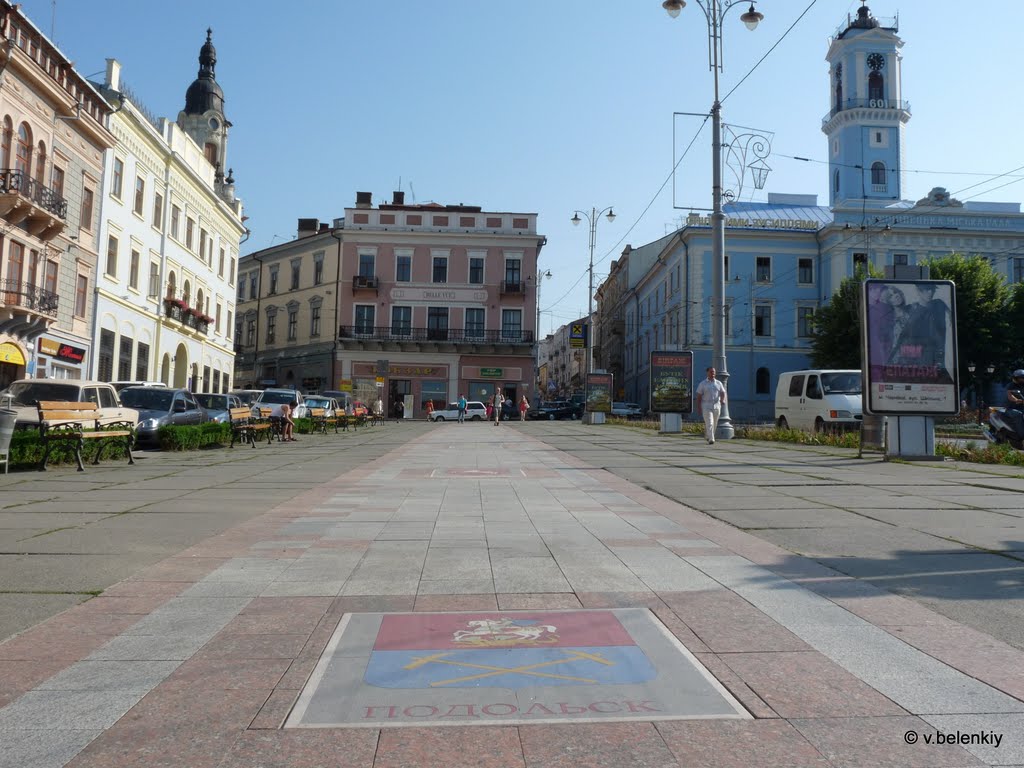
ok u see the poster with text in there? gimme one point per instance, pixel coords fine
(672, 382)
(910, 347)
(599, 392)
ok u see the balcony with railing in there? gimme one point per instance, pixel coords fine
(887, 104)
(401, 333)
(365, 283)
(190, 317)
(31, 299)
(24, 199)
(510, 288)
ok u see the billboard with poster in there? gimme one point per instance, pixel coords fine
(599, 393)
(672, 382)
(910, 347)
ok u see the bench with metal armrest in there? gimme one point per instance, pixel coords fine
(245, 428)
(71, 424)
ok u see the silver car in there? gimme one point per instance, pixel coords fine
(23, 397)
(162, 407)
(218, 407)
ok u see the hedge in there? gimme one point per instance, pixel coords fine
(189, 438)
(27, 450)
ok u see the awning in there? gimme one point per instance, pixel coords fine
(11, 353)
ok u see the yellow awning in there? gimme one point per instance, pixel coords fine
(9, 353)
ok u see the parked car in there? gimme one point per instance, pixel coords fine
(330, 405)
(475, 411)
(552, 410)
(162, 407)
(247, 396)
(345, 400)
(627, 410)
(821, 400)
(218, 406)
(275, 398)
(119, 385)
(24, 395)
(359, 408)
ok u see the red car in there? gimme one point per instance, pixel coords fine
(359, 408)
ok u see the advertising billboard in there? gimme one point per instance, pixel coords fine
(599, 393)
(672, 382)
(909, 343)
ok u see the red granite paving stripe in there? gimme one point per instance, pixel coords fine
(54, 644)
(683, 551)
(595, 745)
(619, 600)
(276, 709)
(202, 674)
(233, 646)
(456, 603)
(727, 623)
(171, 709)
(310, 606)
(179, 568)
(321, 635)
(679, 630)
(753, 703)
(449, 747)
(16, 677)
(307, 748)
(740, 744)
(289, 553)
(300, 670)
(137, 588)
(807, 684)
(870, 742)
(630, 543)
(371, 604)
(157, 747)
(272, 624)
(142, 605)
(541, 601)
(82, 619)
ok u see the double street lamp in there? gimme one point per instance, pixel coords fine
(592, 220)
(714, 12)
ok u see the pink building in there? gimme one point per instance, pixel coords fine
(431, 301)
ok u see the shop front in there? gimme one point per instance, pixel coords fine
(483, 380)
(59, 359)
(12, 363)
(413, 384)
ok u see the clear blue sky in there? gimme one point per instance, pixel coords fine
(542, 106)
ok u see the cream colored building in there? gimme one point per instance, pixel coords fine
(170, 233)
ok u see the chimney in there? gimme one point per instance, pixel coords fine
(308, 227)
(364, 200)
(113, 75)
(398, 198)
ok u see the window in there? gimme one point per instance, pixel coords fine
(117, 178)
(878, 176)
(50, 282)
(254, 285)
(271, 327)
(273, 282)
(111, 256)
(140, 195)
(8, 136)
(876, 86)
(401, 321)
(835, 182)
(17, 262)
(762, 320)
(203, 244)
(437, 322)
(367, 265)
(900, 259)
(804, 321)
(293, 324)
(81, 295)
(763, 382)
(805, 271)
(158, 210)
(220, 263)
(296, 271)
(440, 274)
(133, 270)
(85, 221)
(474, 323)
(513, 271)
(318, 268)
(56, 180)
(175, 222)
(512, 324)
(403, 269)
(364, 318)
(860, 261)
(764, 269)
(106, 356)
(142, 362)
(1018, 269)
(476, 270)
(154, 279)
(232, 271)
(190, 232)
(727, 314)
(23, 160)
(314, 320)
(216, 318)
(124, 359)
(250, 331)
(41, 163)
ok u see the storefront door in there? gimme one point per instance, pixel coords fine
(398, 390)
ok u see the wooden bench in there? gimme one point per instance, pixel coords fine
(62, 423)
(245, 428)
(275, 424)
(321, 421)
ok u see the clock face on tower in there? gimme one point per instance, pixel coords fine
(876, 61)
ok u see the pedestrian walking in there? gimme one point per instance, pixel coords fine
(524, 406)
(497, 403)
(462, 409)
(710, 399)
(430, 409)
(399, 409)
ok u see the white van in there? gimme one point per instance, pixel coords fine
(819, 400)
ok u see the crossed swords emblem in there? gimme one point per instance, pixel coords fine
(526, 669)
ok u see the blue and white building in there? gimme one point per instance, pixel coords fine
(787, 256)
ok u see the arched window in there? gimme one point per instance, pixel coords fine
(835, 182)
(763, 382)
(199, 300)
(8, 137)
(186, 292)
(876, 86)
(23, 161)
(171, 285)
(878, 174)
(41, 163)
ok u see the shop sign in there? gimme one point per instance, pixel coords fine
(671, 381)
(61, 351)
(345, 385)
(578, 335)
(491, 373)
(9, 353)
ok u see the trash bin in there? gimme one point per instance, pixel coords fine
(7, 419)
(872, 433)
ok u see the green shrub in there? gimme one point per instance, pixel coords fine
(27, 449)
(304, 426)
(192, 438)
(778, 435)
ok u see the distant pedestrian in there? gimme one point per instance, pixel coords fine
(462, 409)
(524, 406)
(430, 409)
(399, 409)
(497, 402)
(710, 399)
(287, 423)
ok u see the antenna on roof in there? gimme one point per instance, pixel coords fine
(412, 192)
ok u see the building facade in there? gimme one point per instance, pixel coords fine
(787, 256)
(170, 233)
(54, 135)
(562, 366)
(402, 301)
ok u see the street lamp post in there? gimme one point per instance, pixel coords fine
(714, 12)
(592, 220)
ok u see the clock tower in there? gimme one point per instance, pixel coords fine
(867, 113)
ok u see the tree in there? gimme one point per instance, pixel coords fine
(835, 328)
